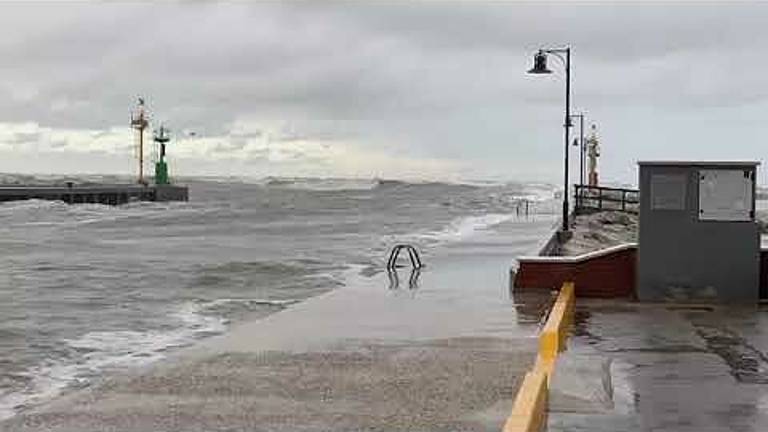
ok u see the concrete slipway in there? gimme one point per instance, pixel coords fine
(444, 356)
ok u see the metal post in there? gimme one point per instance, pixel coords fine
(623, 200)
(540, 67)
(582, 147)
(599, 198)
(580, 142)
(567, 127)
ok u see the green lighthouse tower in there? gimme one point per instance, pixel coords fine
(161, 167)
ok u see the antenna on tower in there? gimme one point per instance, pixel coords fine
(139, 122)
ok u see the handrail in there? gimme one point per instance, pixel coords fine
(593, 197)
(578, 186)
(413, 254)
(413, 279)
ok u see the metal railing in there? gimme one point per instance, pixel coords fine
(413, 254)
(606, 198)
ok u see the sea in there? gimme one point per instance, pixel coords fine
(90, 289)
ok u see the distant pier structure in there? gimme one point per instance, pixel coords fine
(161, 189)
(96, 194)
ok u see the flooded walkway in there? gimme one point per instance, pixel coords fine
(669, 368)
(443, 350)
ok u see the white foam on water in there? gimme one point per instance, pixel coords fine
(319, 184)
(31, 204)
(41, 213)
(225, 301)
(462, 228)
(104, 350)
(113, 350)
(539, 192)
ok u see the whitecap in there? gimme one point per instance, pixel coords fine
(110, 350)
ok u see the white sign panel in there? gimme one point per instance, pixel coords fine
(725, 195)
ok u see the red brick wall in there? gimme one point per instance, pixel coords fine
(606, 276)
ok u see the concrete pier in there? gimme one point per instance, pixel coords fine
(680, 368)
(98, 194)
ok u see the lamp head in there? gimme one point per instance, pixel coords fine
(540, 64)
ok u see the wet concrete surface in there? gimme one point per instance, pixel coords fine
(673, 368)
(440, 351)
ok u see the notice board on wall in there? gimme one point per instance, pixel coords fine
(725, 195)
(668, 191)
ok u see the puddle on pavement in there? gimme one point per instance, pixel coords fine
(691, 308)
(581, 327)
(531, 306)
(748, 364)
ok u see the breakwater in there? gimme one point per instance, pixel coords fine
(97, 194)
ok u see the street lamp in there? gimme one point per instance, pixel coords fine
(540, 67)
(582, 148)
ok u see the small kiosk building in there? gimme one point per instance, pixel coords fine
(698, 238)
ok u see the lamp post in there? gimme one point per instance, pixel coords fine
(582, 148)
(540, 67)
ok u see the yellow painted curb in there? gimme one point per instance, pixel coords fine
(530, 410)
(529, 413)
(555, 332)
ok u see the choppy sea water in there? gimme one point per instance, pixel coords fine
(86, 289)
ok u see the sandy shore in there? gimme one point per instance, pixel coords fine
(446, 354)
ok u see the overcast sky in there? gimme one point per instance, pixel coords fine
(392, 89)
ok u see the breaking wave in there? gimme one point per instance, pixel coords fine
(319, 184)
(464, 227)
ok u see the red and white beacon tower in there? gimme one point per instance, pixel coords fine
(139, 122)
(593, 153)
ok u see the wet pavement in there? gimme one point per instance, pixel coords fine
(441, 350)
(669, 368)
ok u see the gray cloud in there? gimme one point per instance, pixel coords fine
(419, 79)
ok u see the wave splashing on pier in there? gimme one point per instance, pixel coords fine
(90, 288)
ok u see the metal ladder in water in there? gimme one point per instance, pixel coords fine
(394, 278)
(413, 254)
